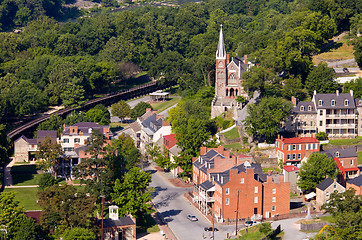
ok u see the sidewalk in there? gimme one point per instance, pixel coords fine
(175, 181)
(8, 180)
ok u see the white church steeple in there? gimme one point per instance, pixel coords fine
(220, 52)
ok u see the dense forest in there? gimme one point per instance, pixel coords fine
(49, 63)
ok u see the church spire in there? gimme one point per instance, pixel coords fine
(220, 52)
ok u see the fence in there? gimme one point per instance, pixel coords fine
(273, 234)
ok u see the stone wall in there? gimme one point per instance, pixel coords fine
(312, 226)
(267, 162)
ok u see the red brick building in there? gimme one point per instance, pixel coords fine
(356, 184)
(293, 150)
(228, 183)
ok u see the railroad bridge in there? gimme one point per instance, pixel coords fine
(28, 128)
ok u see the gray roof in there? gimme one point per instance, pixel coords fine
(339, 100)
(356, 181)
(152, 123)
(46, 133)
(135, 126)
(343, 153)
(258, 173)
(28, 140)
(84, 127)
(122, 221)
(306, 105)
(240, 63)
(175, 150)
(358, 102)
(325, 184)
(206, 185)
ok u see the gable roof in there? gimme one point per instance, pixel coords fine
(85, 127)
(297, 140)
(358, 102)
(297, 109)
(290, 168)
(356, 181)
(339, 100)
(343, 153)
(122, 221)
(28, 140)
(325, 184)
(46, 133)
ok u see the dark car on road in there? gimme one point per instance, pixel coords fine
(209, 229)
(192, 218)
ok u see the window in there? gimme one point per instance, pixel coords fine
(227, 191)
(288, 147)
(299, 156)
(301, 108)
(274, 199)
(294, 156)
(77, 140)
(333, 102)
(255, 199)
(282, 146)
(288, 156)
(320, 113)
(273, 208)
(320, 123)
(320, 102)
(241, 180)
(274, 190)
(255, 189)
(227, 202)
(66, 140)
(300, 147)
(337, 154)
(335, 186)
(346, 102)
(232, 79)
(342, 163)
(352, 162)
(309, 108)
(294, 147)
(327, 194)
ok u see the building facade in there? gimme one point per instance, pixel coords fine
(228, 81)
(292, 150)
(333, 113)
(356, 184)
(324, 190)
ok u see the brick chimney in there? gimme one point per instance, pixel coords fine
(269, 179)
(227, 59)
(148, 109)
(281, 178)
(337, 92)
(351, 92)
(294, 101)
(245, 59)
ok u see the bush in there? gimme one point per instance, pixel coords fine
(46, 180)
(265, 228)
(321, 136)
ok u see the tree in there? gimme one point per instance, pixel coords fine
(321, 79)
(53, 123)
(140, 109)
(347, 212)
(155, 153)
(264, 118)
(97, 115)
(46, 180)
(5, 145)
(27, 230)
(74, 93)
(132, 194)
(256, 79)
(315, 169)
(65, 207)
(49, 155)
(322, 136)
(121, 109)
(78, 233)
(127, 152)
(355, 85)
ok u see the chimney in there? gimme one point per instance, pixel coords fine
(282, 138)
(281, 178)
(327, 176)
(113, 212)
(314, 92)
(269, 172)
(351, 92)
(245, 59)
(148, 109)
(278, 136)
(337, 92)
(227, 59)
(300, 136)
(269, 179)
(294, 101)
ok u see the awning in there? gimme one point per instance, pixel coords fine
(310, 195)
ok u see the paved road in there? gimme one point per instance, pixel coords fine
(171, 203)
(291, 229)
(242, 114)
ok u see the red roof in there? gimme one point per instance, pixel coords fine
(170, 137)
(290, 168)
(339, 165)
(351, 169)
(299, 140)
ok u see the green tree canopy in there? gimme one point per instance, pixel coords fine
(321, 79)
(355, 85)
(78, 233)
(121, 109)
(49, 154)
(140, 109)
(315, 169)
(265, 117)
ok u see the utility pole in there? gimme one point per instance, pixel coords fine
(237, 214)
(102, 197)
(212, 219)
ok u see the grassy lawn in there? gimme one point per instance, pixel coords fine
(25, 175)
(353, 141)
(162, 106)
(359, 154)
(293, 194)
(233, 133)
(26, 197)
(251, 233)
(272, 169)
(234, 146)
(342, 52)
(327, 219)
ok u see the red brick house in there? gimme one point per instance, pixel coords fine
(292, 150)
(226, 183)
(356, 184)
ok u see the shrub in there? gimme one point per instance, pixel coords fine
(321, 136)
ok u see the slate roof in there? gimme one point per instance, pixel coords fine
(45, 133)
(356, 181)
(84, 127)
(175, 150)
(152, 123)
(325, 184)
(343, 153)
(135, 126)
(240, 63)
(122, 221)
(358, 102)
(305, 105)
(258, 172)
(340, 98)
(28, 140)
(206, 185)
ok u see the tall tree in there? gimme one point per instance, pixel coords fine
(49, 154)
(121, 109)
(264, 118)
(256, 79)
(132, 194)
(321, 79)
(5, 145)
(315, 169)
(140, 109)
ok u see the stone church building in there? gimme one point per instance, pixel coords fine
(228, 80)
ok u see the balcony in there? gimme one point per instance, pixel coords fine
(338, 116)
(207, 198)
(338, 126)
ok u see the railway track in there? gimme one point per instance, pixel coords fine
(106, 100)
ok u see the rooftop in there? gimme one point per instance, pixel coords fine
(290, 168)
(356, 181)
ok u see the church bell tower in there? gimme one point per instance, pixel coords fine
(220, 78)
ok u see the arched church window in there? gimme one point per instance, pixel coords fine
(236, 92)
(232, 79)
(220, 75)
(227, 91)
(231, 92)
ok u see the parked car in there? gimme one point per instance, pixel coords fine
(209, 229)
(250, 223)
(192, 218)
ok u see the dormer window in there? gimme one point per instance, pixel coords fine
(309, 108)
(301, 108)
(346, 102)
(337, 154)
(320, 102)
(333, 102)
(360, 102)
